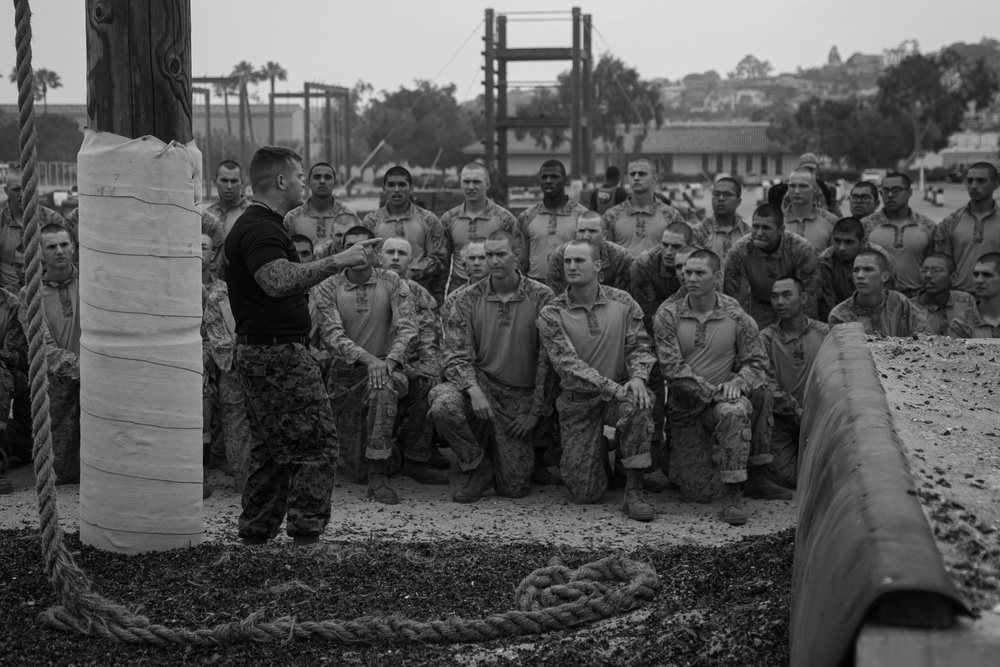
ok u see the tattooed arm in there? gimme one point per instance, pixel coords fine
(280, 277)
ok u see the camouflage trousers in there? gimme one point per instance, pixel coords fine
(15, 432)
(736, 433)
(416, 407)
(365, 417)
(784, 467)
(473, 439)
(659, 448)
(293, 446)
(581, 430)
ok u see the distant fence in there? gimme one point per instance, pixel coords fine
(51, 175)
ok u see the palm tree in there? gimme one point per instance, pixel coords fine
(35, 83)
(272, 71)
(223, 90)
(245, 71)
(47, 79)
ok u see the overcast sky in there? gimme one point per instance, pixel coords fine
(390, 43)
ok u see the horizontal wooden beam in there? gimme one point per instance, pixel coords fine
(529, 54)
(532, 122)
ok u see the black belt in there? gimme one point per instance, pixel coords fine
(582, 395)
(244, 339)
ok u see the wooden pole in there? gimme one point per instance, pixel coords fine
(137, 87)
(308, 132)
(576, 160)
(489, 110)
(243, 123)
(140, 294)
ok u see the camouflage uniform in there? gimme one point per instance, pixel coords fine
(836, 277)
(895, 315)
(816, 228)
(639, 229)
(225, 219)
(750, 273)
(426, 236)
(15, 435)
(460, 228)
(326, 230)
(293, 447)
(590, 400)
(788, 390)
(543, 231)
(472, 439)
(739, 430)
(653, 282)
(706, 234)
(615, 272)
(909, 243)
(12, 235)
(939, 318)
(365, 417)
(970, 324)
(218, 332)
(63, 368)
(425, 349)
(966, 237)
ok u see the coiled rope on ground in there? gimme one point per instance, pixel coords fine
(550, 598)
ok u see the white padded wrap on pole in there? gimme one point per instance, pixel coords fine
(140, 350)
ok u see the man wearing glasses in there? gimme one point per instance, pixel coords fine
(719, 232)
(942, 304)
(863, 200)
(973, 230)
(904, 233)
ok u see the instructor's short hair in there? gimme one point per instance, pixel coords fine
(267, 162)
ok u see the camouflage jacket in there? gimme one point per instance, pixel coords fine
(574, 373)
(333, 336)
(460, 228)
(628, 226)
(895, 315)
(751, 360)
(422, 229)
(794, 257)
(785, 403)
(970, 324)
(939, 318)
(616, 264)
(653, 282)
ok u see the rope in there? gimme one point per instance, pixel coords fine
(550, 598)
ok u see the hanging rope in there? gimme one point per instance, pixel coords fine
(550, 598)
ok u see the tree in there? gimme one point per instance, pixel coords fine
(751, 69)
(59, 137)
(834, 59)
(224, 90)
(415, 123)
(622, 100)
(248, 74)
(272, 71)
(930, 92)
(43, 80)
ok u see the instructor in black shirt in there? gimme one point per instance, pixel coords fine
(293, 452)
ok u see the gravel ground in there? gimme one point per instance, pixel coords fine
(718, 606)
(945, 397)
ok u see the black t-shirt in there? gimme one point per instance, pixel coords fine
(258, 237)
(606, 197)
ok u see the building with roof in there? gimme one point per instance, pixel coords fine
(688, 149)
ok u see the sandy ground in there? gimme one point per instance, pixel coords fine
(427, 513)
(945, 396)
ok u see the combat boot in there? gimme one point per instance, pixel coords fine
(378, 484)
(479, 482)
(733, 512)
(423, 472)
(760, 487)
(635, 506)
